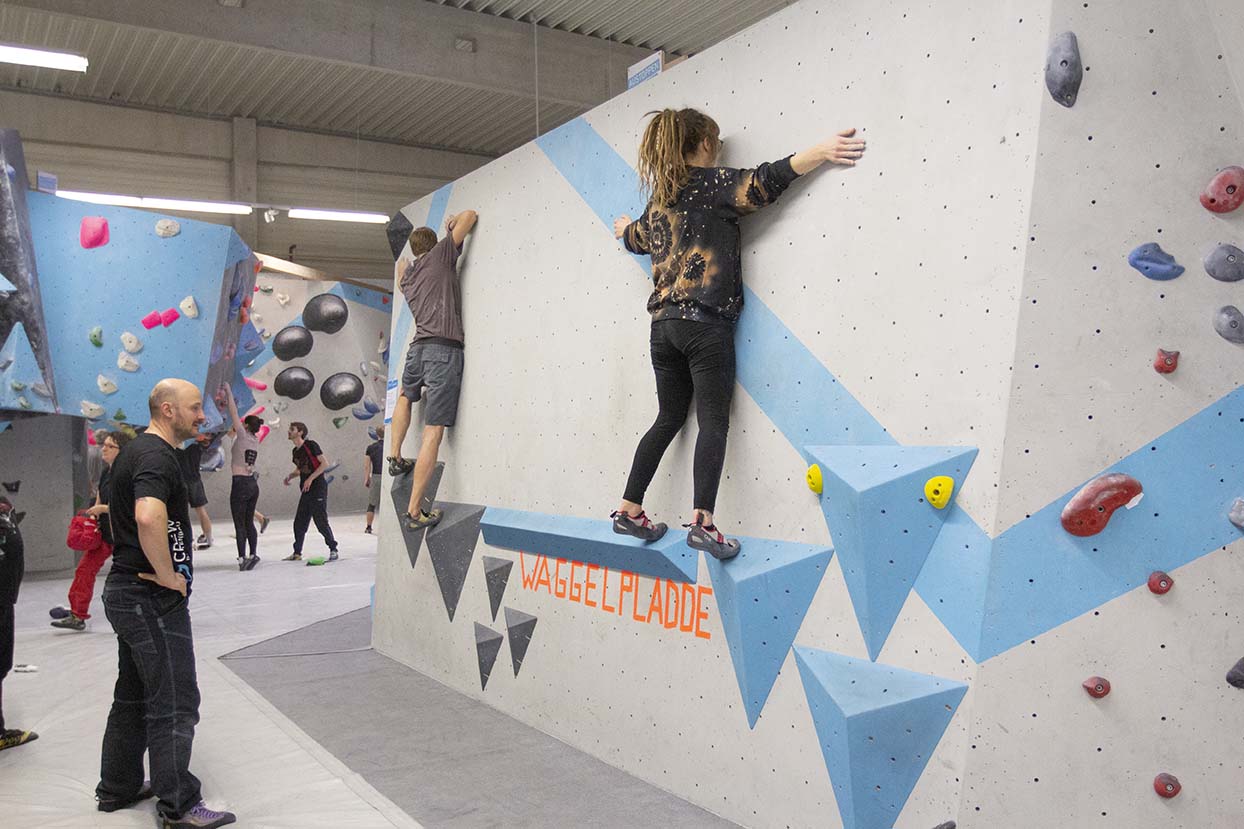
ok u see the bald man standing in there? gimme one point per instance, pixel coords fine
(155, 704)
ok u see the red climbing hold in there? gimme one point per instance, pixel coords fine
(1166, 785)
(384, 300)
(1225, 191)
(1160, 583)
(1097, 686)
(93, 232)
(1166, 361)
(1089, 511)
(152, 320)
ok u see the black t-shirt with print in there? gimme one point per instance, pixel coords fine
(376, 453)
(149, 468)
(305, 459)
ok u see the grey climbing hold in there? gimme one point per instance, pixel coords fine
(401, 500)
(497, 575)
(950, 824)
(326, 312)
(292, 342)
(1229, 323)
(1154, 262)
(451, 546)
(294, 382)
(1236, 515)
(519, 626)
(340, 390)
(1235, 677)
(487, 646)
(1063, 69)
(1225, 263)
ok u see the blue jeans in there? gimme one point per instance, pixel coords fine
(155, 705)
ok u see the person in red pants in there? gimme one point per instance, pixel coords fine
(83, 588)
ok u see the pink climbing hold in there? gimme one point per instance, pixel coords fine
(1160, 583)
(152, 320)
(1166, 785)
(93, 232)
(1097, 686)
(1225, 191)
(257, 386)
(263, 433)
(257, 411)
(1089, 511)
(169, 317)
(1166, 361)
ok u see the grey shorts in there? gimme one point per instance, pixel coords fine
(373, 494)
(433, 373)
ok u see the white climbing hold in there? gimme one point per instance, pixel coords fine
(166, 228)
(274, 422)
(282, 298)
(378, 369)
(132, 344)
(384, 343)
(189, 308)
(266, 334)
(256, 318)
(106, 385)
(22, 402)
(42, 390)
(91, 411)
(127, 362)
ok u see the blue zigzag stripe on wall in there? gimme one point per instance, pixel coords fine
(397, 345)
(984, 591)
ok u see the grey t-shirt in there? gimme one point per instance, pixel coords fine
(431, 288)
(245, 452)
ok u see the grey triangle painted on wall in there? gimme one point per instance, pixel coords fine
(451, 546)
(401, 499)
(519, 626)
(497, 575)
(487, 646)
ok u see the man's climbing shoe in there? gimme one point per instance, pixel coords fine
(424, 520)
(251, 561)
(637, 525)
(116, 804)
(293, 557)
(332, 555)
(400, 466)
(70, 622)
(710, 540)
(200, 817)
(14, 737)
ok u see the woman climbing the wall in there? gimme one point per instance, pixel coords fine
(244, 494)
(690, 228)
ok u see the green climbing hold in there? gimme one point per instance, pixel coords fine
(96, 336)
(340, 421)
(119, 414)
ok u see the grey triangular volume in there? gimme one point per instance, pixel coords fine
(497, 574)
(487, 646)
(451, 545)
(401, 499)
(519, 626)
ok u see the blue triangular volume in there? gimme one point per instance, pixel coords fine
(6, 287)
(238, 250)
(878, 726)
(881, 525)
(762, 595)
(19, 365)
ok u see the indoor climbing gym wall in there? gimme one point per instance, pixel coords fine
(316, 353)
(983, 457)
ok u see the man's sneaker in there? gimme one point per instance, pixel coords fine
(400, 466)
(200, 817)
(367, 529)
(293, 557)
(637, 525)
(241, 564)
(59, 612)
(70, 622)
(14, 737)
(332, 555)
(263, 525)
(202, 542)
(251, 561)
(423, 520)
(111, 804)
(711, 541)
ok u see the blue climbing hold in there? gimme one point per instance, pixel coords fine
(1154, 262)
(362, 413)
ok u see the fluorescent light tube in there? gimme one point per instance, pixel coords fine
(101, 198)
(47, 58)
(157, 203)
(338, 216)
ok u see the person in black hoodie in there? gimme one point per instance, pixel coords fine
(12, 568)
(690, 228)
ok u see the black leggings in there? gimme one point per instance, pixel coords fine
(313, 506)
(689, 358)
(242, 500)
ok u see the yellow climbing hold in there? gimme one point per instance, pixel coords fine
(814, 479)
(938, 490)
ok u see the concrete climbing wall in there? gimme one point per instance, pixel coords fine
(38, 459)
(356, 348)
(960, 304)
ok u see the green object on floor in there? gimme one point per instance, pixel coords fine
(316, 561)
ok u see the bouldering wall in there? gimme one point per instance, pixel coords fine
(42, 471)
(939, 349)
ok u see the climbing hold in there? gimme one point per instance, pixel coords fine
(189, 308)
(1225, 191)
(282, 298)
(42, 390)
(363, 369)
(127, 362)
(22, 402)
(377, 369)
(1063, 70)
(151, 320)
(1160, 583)
(1166, 785)
(17, 385)
(371, 405)
(340, 390)
(326, 312)
(338, 422)
(119, 414)
(1235, 676)
(105, 385)
(96, 336)
(938, 490)
(292, 342)
(266, 334)
(91, 411)
(398, 231)
(1229, 323)
(1225, 263)
(1236, 515)
(1089, 511)
(255, 384)
(815, 482)
(384, 343)
(264, 430)
(167, 228)
(1097, 686)
(362, 413)
(93, 232)
(275, 421)
(266, 289)
(169, 316)
(256, 318)
(294, 382)
(1154, 262)
(131, 343)
(1166, 361)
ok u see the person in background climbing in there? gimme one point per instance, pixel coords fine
(192, 457)
(244, 491)
(309, 465)
(373, 458)
(435, 359)
(690, 228)
(83, 587)
(12, 568)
